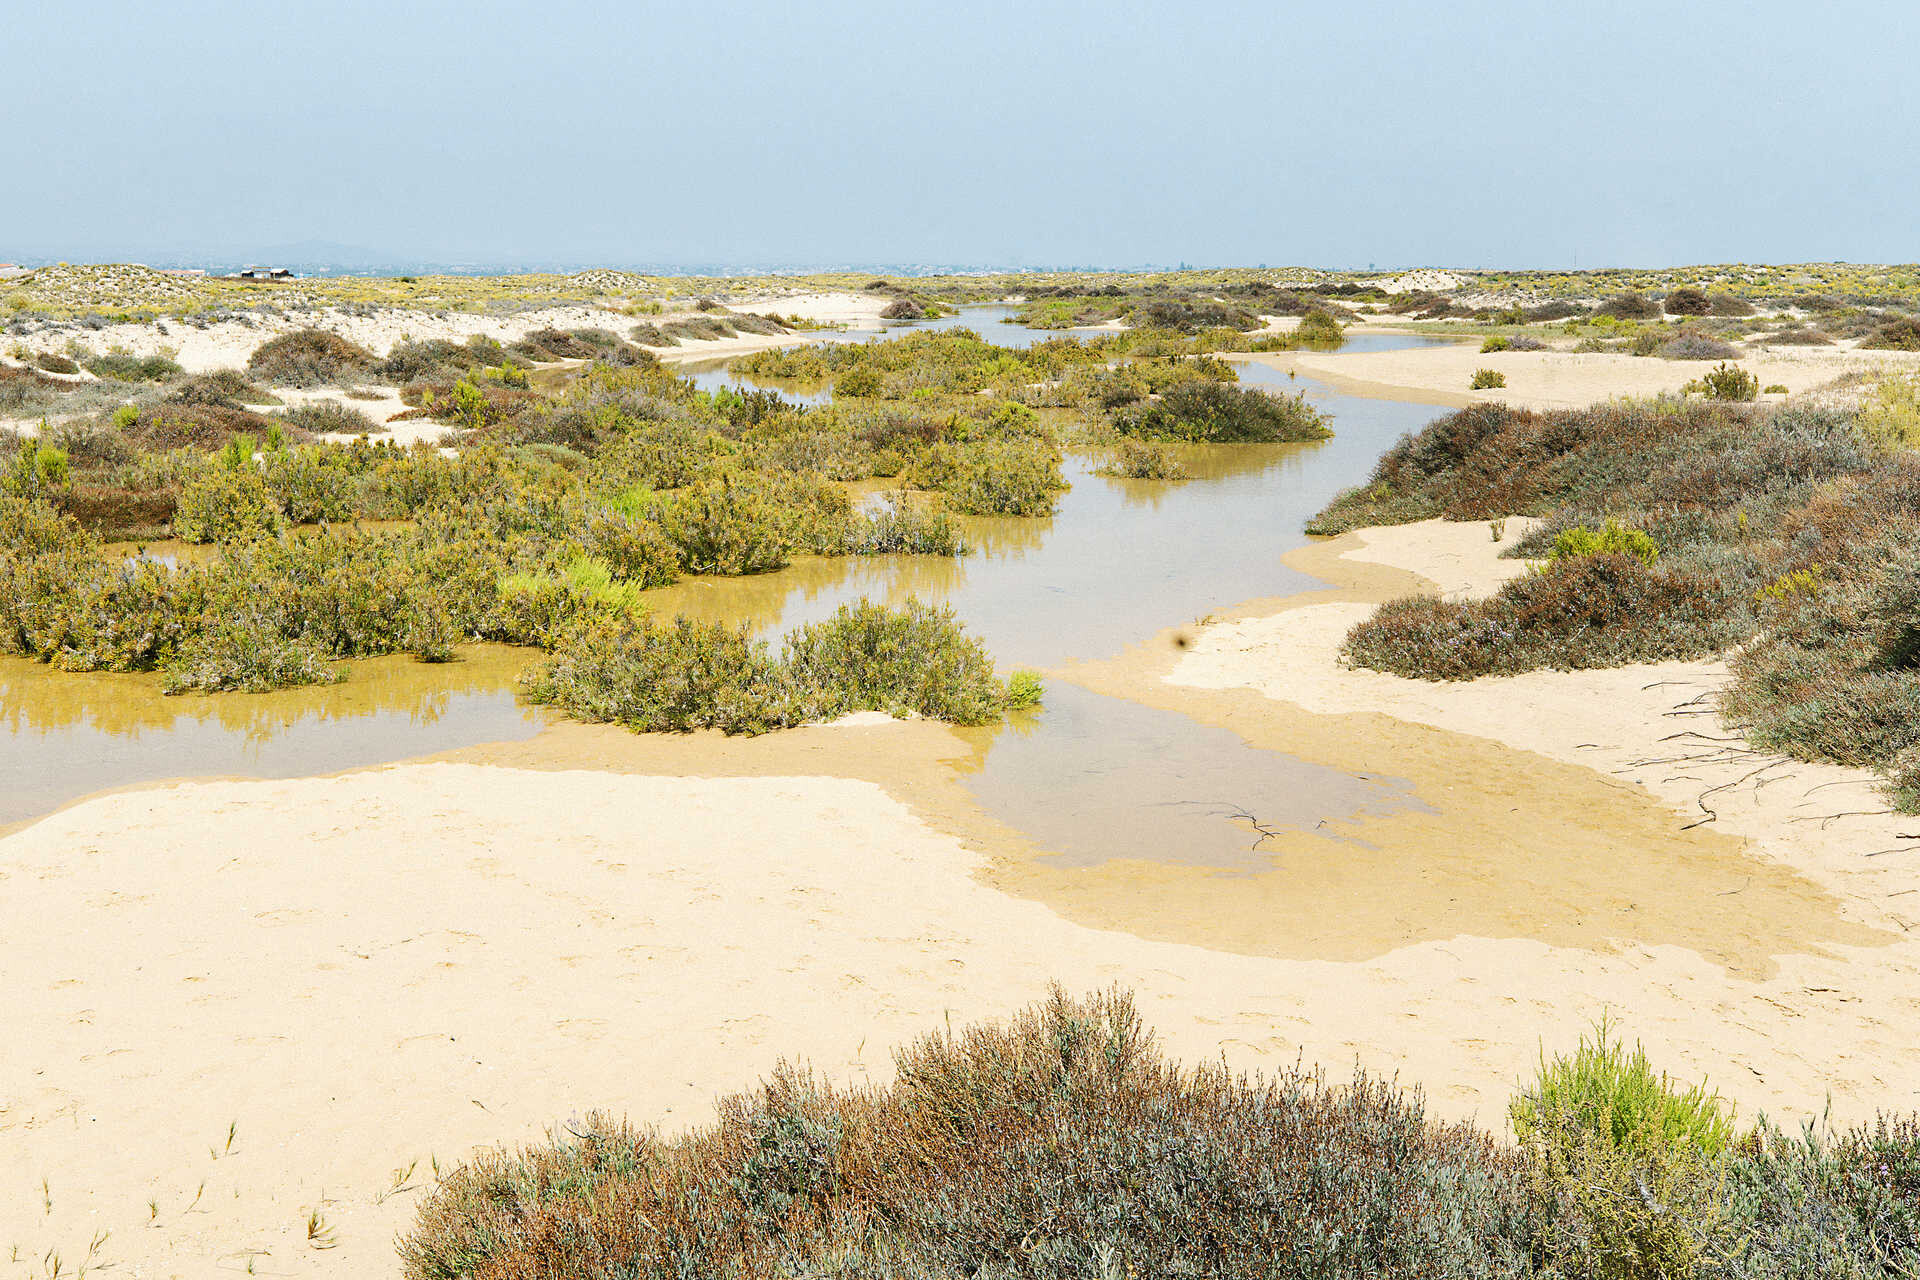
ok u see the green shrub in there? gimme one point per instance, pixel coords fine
(673, 677)
(245, 655)
(1486, 379)
(1024, 689)
(1319, 326)
(1892, 412)
(1203, 411)
(36, 470)
(227, 504)
(310, 485)
(1610, 540)
(916, 660)
(121, 367)
(992, 477)
(901, 527)
(1621, 1162)
(1726, 382)
(633, 548)
(857, 384)
(1614, 1093)
(741, 522)
(1143, 460)
(1497, 342)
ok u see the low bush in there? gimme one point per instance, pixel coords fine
(1693, 346)
(1601, 610)
(224, 388)
(633, 548)
(1687, 301)
(901, 527)
(432, 360)
(1621, 1162)
(1204, 411)
(1902, 334)
(677, 676)
(243, 656)
(1726, 382)
(997, 477)
(1319, 326)
(1143, 460)
(1497, 342)
(332, 417)
(227, 504)
(1784, 531)
(1486, 380)
(121, 367)
(1061, 1145)
(311, 357)
(1891, 415)
(1798, 336)
(158, 428)
(309, 485)
(1629, 306)
(1610, 540)
(911, 661)
(53, 362)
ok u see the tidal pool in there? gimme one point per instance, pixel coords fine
(1090, 777)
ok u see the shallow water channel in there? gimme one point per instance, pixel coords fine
(1087, 777)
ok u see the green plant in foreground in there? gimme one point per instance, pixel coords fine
(1621, 1162)
(1615, 1094)
(1610, 540)
(1486, 380)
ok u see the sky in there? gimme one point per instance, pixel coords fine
(976, 133)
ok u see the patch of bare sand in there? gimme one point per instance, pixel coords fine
(356, 975)
(1564, 379)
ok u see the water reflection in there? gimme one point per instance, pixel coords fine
(71, 734)
(1095, 778)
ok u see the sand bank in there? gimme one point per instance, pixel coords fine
(1564, 379)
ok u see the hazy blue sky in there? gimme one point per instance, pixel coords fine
(1020, 133)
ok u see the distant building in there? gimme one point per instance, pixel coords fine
(260, 273)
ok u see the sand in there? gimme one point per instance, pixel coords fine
(366, 973)
(1565, 379)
